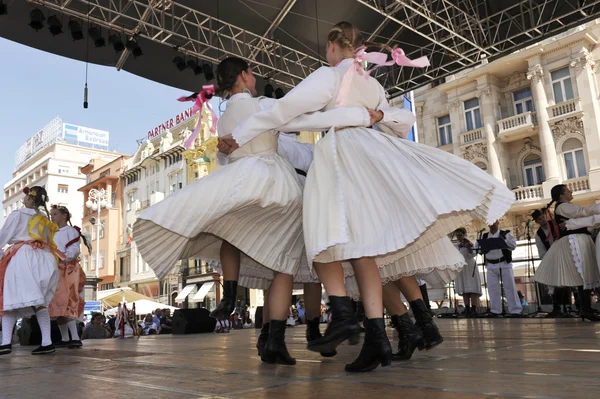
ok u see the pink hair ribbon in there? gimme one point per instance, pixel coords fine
(379, 60)
(200, 99)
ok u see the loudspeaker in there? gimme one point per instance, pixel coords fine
(258, 317)
(193, 321)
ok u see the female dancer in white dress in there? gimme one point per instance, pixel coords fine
(28, 269)
(468, 282)
(571, 260)
(67, 305)
(371, 199)
(250, 213)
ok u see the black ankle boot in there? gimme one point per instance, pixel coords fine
(467, 312)
(275, 350)
(586, 311)
(262, 338)
(376, 349)
(409, 337)
(313, 332)
(424, 322)
(227, 304)
(343, 326)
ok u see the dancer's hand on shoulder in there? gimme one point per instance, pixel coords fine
(376, 116)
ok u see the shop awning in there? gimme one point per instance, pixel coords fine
(185, 292)
(199, 297)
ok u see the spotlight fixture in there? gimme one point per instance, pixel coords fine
(279, 93)
(192, 64)
(116, 42)
(37, 19)
(208, 72)
(76, 31)
(179, 62)
(197, 70)
(3, 8)
(54, 25)
(132, 45)
(96, 35)
(269, 90)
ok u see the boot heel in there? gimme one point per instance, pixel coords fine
(354, 339)
(386, 360)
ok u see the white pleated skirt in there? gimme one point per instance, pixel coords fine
(254, 203)
(370, 194)
(468, 282)
(570, 262)
(30, 280)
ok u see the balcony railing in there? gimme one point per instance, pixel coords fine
(472, 136)
(581, 184)
(564, 108)
(530, 193)
(527, 119)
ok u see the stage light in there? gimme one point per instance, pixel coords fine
(116, 42)
(96, 35)
(198, 70)
(208, 72)
(54, 25)
(179, 62)
(192, 64)
(37, 19)
(3, 8)
(76, 31)
(269, 90)
(132, 45)
(279, 93)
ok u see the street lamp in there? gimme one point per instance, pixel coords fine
(96, 201)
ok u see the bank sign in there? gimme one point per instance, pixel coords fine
(85, 135)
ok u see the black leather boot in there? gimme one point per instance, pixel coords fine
(409, 337)
(467, 312)
(262, 338)
(275, 350)
(424, 322)
(343, 326)
(313, 332)
(227, 304)
(586, 311)
(376, 349)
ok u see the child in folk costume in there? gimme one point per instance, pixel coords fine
(372, 200)
(67, 305)
(250, 211)
(571, 261)
(468, 281)
(28, 269)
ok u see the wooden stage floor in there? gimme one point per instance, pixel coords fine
(484, 358)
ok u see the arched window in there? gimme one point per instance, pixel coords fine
(481, 166)
(533, 171)
(574, 158)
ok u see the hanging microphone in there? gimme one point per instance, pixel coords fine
(528, 221)
(85, 96)
(482, 230)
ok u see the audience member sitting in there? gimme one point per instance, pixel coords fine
(96, 329)
(148, 326)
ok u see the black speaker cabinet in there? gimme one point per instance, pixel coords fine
(193, 321)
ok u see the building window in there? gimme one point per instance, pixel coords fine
(86, 263)
(574, 159)
(562, 86)
(129, 201)
(104, 287)
(445, 130)
(93, 264)
(94, 231)
(101, 259)
(63, 188)
(472, 114)
(523, 101)
(63, 170)
(102, 224)
(533, 170)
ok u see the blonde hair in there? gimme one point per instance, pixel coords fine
(347, 36)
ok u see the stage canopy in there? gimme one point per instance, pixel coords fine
(284, 39)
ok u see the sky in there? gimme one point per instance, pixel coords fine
(36, 86)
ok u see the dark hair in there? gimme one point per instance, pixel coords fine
(555, 193)
(347, 36)
(96, 314)
(461, 230)
(536, 214)
(65, 211)
(40, 197)
(228, 71)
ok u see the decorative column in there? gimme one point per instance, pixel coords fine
(584, 67)
(489, 128)
(549, 159)
(455, 117)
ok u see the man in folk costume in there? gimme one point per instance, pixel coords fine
(544, 238)
(499, 268)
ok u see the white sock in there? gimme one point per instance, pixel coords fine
(43, 318)
(64, 332)
(8, 324)
(73, 329)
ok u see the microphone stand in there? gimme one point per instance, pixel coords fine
(530, 268)
(477, 252)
